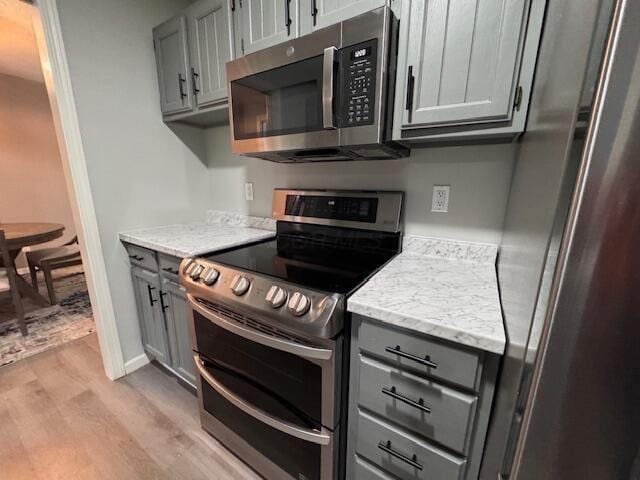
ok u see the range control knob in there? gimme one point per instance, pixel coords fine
(276, 296)
(210, 276)
(299, 304)
(240, 285)
(195, 272)
(189, 264)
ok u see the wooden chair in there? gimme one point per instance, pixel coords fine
(49, 259)
(7, 263)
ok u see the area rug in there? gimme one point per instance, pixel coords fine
(52, 326)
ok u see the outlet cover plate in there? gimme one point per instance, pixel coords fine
(440, 200)
(248, 191)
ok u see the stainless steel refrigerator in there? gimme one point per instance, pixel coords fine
(568, 399)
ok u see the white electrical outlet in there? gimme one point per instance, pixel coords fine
(440, 201)
(248, 191)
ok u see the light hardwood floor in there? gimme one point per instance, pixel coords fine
(61, 418)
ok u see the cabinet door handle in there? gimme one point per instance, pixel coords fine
(194, 75)
(419, 404)
(413, 461)
(171, 270)
(136, 257)
(287, 14)
(162, 304)
(151, 299)
(181, 85)
(411, 80)
(314, 11)
(424, 361)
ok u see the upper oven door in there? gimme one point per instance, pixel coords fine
(282, 98)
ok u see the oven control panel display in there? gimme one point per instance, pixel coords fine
(354, 209)
(358, 84)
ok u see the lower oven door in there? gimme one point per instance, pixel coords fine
(271, 400)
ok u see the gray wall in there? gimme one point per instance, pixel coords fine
(141, 172)
(479, 176)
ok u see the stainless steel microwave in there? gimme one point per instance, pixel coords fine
(326, 96)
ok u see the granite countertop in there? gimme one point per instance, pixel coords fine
(442, 288)
(221, 231)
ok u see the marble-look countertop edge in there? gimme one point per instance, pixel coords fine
(429, 327)
(159, 247)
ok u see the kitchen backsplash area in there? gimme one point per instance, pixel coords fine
(479, 178)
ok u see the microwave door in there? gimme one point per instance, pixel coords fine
(281, 101)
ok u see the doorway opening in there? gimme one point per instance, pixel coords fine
(44, 299)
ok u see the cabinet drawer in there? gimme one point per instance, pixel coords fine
(365, 471)
(142, 257)
(420, 354)
(423, 406)
(169, 266)
(404, 455)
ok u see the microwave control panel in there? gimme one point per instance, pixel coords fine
(358, 83)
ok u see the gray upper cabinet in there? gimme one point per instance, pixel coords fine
(328, 12)
(172, 60)
(267, 22)
(175, 305)
(462, 60)
(146, 286)
(210, 41)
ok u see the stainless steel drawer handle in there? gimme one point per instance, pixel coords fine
(136, 257)
(413, 461)
(171, 270)
(393, 394)
(422, 360)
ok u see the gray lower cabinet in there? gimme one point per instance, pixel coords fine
(146, 286)
(418, 406)
(465, 68)
(162, 310)
(175, 304)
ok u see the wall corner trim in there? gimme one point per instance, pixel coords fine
(48, 31)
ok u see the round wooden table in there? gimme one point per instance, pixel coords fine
(20, 235)
(17, 236)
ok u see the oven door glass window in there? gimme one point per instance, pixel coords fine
(281, 101)
(285, 386)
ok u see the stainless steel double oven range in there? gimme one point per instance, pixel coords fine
(270, 330)
(324, 96)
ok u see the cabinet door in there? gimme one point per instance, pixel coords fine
(462, 57)
(175, 310)
(172, 62)
(268, 22)
(146, 287)
(210, 42)
(328, 12)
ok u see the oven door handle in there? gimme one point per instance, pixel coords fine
(297, 349)
(328, 74)
(320, 437)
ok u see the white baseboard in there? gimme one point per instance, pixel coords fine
(135, 363)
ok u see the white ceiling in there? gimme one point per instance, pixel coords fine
(18, 48)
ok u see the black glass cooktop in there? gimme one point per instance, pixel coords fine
(322, 263)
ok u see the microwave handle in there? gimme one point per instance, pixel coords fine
(328, 75)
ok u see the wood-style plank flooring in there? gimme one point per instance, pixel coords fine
(61, 418)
